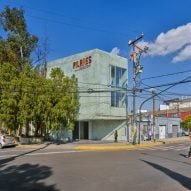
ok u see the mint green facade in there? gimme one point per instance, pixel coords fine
(102, 79)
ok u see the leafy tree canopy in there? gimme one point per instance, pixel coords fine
(186, 123)
(18, 44)
(27, 97)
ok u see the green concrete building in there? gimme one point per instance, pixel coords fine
(102, 79)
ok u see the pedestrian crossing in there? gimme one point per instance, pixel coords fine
(177, 147)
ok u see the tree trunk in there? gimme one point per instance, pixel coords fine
(27, 129)
(37, 128)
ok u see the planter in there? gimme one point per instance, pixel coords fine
(31, 140)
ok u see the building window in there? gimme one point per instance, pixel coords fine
(118, 85)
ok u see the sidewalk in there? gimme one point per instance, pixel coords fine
(125, 145)
(175, 140)
(103, 145)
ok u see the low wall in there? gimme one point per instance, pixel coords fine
(31, 140)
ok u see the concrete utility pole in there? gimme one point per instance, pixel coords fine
(126, 109)
(45, 46)
(137, 69)
(154, 96)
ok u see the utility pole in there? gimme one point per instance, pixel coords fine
(137, 69)
(153, 95)
(45, 46)
(126, 109)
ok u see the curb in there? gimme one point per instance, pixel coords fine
(28, 146)
(115, 147)
(172, 142)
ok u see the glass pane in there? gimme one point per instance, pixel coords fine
(119, 80)
(123, 78)
(113, 98)
(118, 76)
(112, 75)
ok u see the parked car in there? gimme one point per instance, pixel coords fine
(185, 133)
(6, 140)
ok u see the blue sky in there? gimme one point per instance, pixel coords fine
(74, 26)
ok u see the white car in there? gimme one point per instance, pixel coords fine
(185, 133)
(6, 140)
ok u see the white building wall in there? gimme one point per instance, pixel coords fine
(96, 103)
(104, 130)
(94, 84)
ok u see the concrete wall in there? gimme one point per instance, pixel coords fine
(104, 130)
(94, 82)
(96, 77)
(172, 126)
(63, 135)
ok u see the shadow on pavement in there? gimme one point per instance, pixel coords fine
(166, 158)
(5, 161)
(183, 180)
(25, 177)
(183, 155)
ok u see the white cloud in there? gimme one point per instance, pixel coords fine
(115, 51)
(174, 40)
(184, 54)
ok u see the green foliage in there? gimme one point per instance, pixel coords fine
(186, 123)
(63, 99)
(18, 44)
(26, 96)
(13, 20)
(9, 97)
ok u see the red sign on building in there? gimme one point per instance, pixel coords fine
(82, 63)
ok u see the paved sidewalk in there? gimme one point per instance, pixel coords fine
(103, 145)
(125, 145)
(175, 140)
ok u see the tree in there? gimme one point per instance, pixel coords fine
(27, 97)
(9, 96)
(19, 43)
(186, 123)
(15, 52)
(63, 100)
(28, 82)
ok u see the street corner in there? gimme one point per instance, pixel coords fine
(115, 147)
(174, 140)
(32, 146)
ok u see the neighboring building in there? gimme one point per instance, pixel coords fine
(176, 108)
(102, 79)
(164, 127)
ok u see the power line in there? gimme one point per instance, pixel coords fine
(79, 26)
(168, 84)
(165, 75)
(74, 19)
(167, 92)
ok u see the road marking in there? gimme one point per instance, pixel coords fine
(166, 148)
(182, 149)
(44, 153)
(16, 150)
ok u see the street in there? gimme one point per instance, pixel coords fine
(158, 168)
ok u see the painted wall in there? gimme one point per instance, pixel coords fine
(104, 130)
(172, 126)
(93, 82)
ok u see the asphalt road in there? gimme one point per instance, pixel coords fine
(159, 168)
